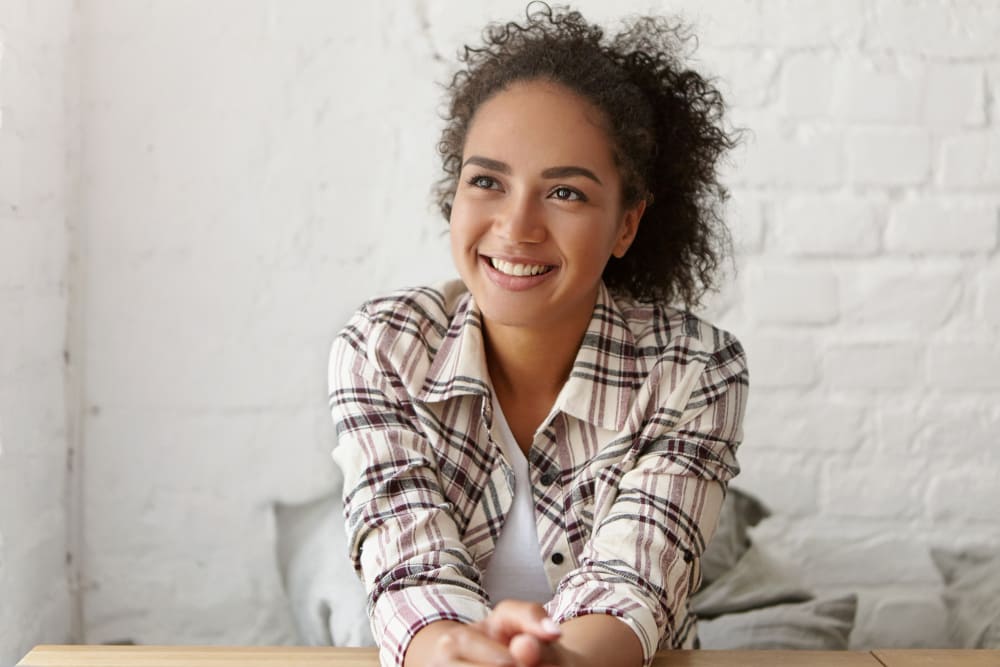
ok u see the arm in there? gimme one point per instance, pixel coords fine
(641, 563)
(403, 537)
(598, 640)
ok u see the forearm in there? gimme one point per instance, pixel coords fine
(599, 640)
(421, 646)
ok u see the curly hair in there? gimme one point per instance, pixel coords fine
(663, 119)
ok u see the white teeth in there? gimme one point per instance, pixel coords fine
(517, 269)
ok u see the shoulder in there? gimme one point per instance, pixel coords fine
(660, 330)
(425, 310)
(399, 333)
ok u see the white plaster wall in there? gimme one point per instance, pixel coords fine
(252, 171)
(36, 87)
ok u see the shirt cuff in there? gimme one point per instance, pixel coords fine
(399, 614)
(612, 602)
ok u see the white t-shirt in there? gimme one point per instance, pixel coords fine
(515, 570)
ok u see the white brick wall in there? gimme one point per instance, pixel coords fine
(250, 174)
(35, 134)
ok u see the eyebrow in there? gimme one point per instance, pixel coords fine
(551, 172)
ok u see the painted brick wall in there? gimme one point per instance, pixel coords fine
(35, 84)
(250, 174)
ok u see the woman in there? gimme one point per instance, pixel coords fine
(535, 456)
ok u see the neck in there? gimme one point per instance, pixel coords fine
(532, 361)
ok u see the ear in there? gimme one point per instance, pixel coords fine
(628, 229)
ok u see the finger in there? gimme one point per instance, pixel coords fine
(512, 617)
(470, 643)
(530, 651)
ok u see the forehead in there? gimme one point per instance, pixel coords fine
(539, 123)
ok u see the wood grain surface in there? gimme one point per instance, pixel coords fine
(287, 656)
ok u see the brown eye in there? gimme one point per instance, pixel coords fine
(567, 194)
(484, 182)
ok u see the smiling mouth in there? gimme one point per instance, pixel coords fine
(512, 269)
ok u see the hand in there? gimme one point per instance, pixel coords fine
(515, 634)
(527, 631)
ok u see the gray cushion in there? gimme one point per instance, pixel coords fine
(327, 600)
(757, 580)
(740, 511)
(972, 595)
(822, 625)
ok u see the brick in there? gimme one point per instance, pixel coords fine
(899, 422)
(732, 23)
(832, 553)
(824, 225)
(746, 77)
(947, 30)
(788, 422)
(937, 226)
(971, 160)
(745, 218)
(898, 298)
(964, 366)
(807, 84)
(888, 156)
(968, 495)
(781, 361)
(802, 156)
(723, 306)
(878, 89)
(798, 473)
(792, 295)
(991, 297)
(955, 435)
(876, 365)
(858, 488)
(812, 23)
(954, 95)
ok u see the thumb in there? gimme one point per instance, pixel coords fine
(529, 651)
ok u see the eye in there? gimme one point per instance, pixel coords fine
(483, 181)
(568, 194)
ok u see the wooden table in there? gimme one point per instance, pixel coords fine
(287, 656)
(298, 656)
(937, 658)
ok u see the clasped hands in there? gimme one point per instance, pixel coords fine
(515, 634)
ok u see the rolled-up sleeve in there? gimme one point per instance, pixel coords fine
(402, 533)
(642, 560)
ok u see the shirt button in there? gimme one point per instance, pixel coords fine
(547, 479)
(557, 558)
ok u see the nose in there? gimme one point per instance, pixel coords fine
(521, 221)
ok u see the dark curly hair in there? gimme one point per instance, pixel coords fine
(664, 121)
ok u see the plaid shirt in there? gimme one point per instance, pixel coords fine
(628, 470)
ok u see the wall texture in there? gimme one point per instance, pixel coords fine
(250, 173)
(36, 86)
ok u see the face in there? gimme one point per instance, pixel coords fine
(538, 208)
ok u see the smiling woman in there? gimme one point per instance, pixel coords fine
(535, 456)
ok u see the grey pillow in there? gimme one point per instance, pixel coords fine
(756, 581)
(328, 601)
(972, 596)
(740, 511)
(821, 625)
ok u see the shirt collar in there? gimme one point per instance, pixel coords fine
(599, 388)
(600, 384)
(459, 366)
